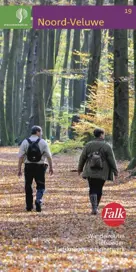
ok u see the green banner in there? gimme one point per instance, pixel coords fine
(15, 17)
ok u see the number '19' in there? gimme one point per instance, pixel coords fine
(128, 11)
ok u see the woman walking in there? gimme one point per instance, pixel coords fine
(98, 164)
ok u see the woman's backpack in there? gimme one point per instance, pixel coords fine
(96, 159)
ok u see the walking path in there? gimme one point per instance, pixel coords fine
(64, 236)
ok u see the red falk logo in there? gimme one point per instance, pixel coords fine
(114, 214)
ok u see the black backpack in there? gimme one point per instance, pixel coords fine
(96, 159)
(33, 152)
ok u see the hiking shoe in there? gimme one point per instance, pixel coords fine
(38, 206)
(94, 212)
(29, 209)
(93, 199)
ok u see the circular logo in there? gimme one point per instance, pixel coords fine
(114, 214)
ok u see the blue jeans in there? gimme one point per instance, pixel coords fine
(39, 195)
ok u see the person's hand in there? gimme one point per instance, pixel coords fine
(19, 173)
(51, 171)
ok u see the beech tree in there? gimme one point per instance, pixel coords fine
(133, 126)
(10, 87)
(121, 93)
(94, 62)
(3, 128)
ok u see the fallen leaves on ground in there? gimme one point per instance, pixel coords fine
(64, 236)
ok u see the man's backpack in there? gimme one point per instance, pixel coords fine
(33, 152)
(96, 159)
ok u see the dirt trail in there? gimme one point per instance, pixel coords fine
(65, 236)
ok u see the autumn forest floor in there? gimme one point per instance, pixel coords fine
(64, 236)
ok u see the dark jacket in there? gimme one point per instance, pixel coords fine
(109, 162)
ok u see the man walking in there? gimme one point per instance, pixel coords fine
(99, 165)
(33, 152)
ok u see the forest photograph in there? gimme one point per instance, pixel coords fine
(65, 89)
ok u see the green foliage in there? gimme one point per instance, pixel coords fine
(58, 147)
(24, 39)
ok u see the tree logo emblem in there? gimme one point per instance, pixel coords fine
(21, 14)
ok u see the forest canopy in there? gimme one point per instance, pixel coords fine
(69, 82)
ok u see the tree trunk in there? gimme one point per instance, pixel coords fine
(133, 126)
(121, 94)
(5, 2)
(50, 57)
(4, 137)
(49, 81)
(28, 90)
(58, 128)
(64, 68)
(76, 66)
(18, 76)
(57, 42)
(93, 70)
(39, 81)
(110, 50)
(10, 86)
(94, 65)
(85, 49)
(34, 118)
(70, 97)
(21, 77)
